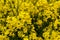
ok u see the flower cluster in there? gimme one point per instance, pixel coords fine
(29, 19)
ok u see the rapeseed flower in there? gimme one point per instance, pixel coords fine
(29, 19)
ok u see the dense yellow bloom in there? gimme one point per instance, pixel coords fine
(3, 37)
(25, 38)
(56, 23)
(33, 36)
(39, 22)
(20, 34)
(29, 19)
(46, 35)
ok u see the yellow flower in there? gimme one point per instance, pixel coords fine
(44, 1)
(33, 36)
(55, 24)
(46, 35)
(2, 37)
(39, 38)
(25, 30)
(20, 34)
(39, 22)
(25, 38)
(6, 32)
(54, 34)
